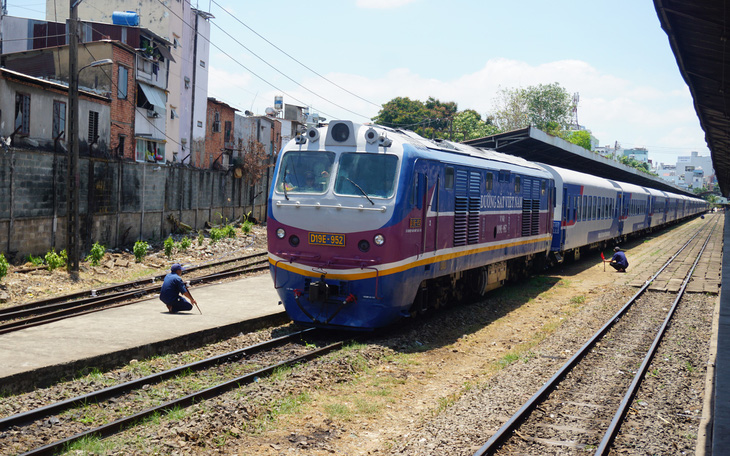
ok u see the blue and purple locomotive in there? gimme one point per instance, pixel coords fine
(367, 225)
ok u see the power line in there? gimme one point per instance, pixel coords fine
(293, 58)
(254, 73)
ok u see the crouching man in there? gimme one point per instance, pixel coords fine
(174, 291)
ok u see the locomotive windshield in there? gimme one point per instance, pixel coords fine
(374, 174)
(305, 172)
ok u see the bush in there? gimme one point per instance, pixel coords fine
(55, 260)
(230, 231)
(140, 250)
(185, 243)
(247, 224)
(96, 254)
(169, 245)
(216, 234)
(3, 266)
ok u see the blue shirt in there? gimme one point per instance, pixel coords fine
(172, 287)
(620, 259)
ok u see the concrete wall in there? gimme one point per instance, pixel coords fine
(120, 202)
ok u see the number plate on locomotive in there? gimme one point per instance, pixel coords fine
(337, 240)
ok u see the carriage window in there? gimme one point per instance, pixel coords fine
(584, 208)
(488, 182)
(449, 180)
(372, 174)
(517, 184)
(305, 172)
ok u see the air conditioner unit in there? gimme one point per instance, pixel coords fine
(152, 113)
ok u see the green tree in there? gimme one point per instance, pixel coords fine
(468, 124)
(431, 119)
(547, 107)
(402, 112)
(580, 138)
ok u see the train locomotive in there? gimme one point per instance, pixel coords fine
(368, 225)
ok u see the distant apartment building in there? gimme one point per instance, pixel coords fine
(187, 29)
(639, 154)
(695, 171)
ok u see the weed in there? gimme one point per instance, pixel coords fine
(185, 243)
(201, 238)
(216, 234)
(3, 266)
(688, 366)
(140, 250)
(55, 260)
(169, 244)
(35, 261)
(340, 411)
(229, 231)
(578, 299)
(92, 444)
(508, 359)
(96, 254)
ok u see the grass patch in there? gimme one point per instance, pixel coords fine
(89, 445)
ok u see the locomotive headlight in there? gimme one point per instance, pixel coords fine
(280, 233)
(379, 239)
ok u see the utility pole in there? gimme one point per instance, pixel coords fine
(73, 178)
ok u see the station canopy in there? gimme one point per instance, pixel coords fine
(537, 146)
(698, 34)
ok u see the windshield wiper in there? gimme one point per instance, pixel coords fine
(361, 190)
(283, 185)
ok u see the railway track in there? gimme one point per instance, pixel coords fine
(582, 407)
(60, 307)
(70, 419)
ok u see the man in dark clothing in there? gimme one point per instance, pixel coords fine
(618, 261)
(172, 288)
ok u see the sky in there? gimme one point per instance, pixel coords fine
(345, 58)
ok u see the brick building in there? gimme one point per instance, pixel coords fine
(219, 135)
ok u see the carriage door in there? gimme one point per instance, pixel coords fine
(467, 201)
(620, 213)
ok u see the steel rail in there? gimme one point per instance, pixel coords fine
(121, 286)
(504, 432)
(96, 396)
(186, 401)
(613, 428)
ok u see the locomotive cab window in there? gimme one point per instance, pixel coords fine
(361, 174)
(305, 172)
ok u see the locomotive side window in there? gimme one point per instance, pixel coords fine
(369, 174)
(504, 175)
(449, 179)
(305, 172)
(517, 184)
(488, 184)
(542, 188)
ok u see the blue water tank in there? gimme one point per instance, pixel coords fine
(130, 18)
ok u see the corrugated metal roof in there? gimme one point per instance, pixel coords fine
(698, 34)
